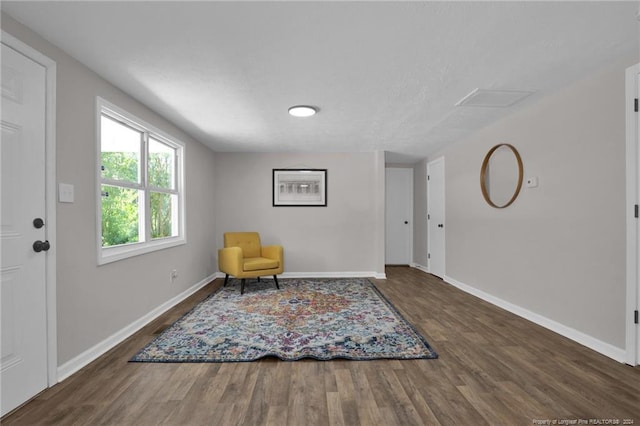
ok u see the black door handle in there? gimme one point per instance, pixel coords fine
(440, 225)
(406, 222)
(38, 223)
(39, 246)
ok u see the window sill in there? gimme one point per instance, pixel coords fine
(114, 254)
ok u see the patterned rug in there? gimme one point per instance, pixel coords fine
(307, 318)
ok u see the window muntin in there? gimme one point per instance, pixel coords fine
(141, 200)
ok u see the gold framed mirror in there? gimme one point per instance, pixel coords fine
(501, 175)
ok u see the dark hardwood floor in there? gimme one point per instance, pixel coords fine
(494, 368)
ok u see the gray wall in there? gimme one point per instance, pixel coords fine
(345, 236)
(559, 250)
(94, 302)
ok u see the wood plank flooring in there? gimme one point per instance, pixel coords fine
(494, 369)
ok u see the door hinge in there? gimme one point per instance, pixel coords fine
(635, 317)
(636, 210)
(429, 257)
(428, 217)
(429, 177)
(635, 104)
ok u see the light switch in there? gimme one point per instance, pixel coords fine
(65, 193)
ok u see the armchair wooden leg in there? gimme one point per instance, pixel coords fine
(276, 280)
(242, 286)
(226, 278)
(258, 279)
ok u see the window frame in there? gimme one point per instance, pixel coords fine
(148, 245)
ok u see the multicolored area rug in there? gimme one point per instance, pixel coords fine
(307, 318)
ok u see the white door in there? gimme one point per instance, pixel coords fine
(637, 115)
(23, 366)
(399, 216)
(435, 216)
(632, 328)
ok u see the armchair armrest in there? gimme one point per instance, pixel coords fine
(230, 260)
(273, 252)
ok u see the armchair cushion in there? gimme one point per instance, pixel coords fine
(258, 263)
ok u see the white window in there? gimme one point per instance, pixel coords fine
(140, 186)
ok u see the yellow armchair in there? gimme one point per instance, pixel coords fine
(244, 257)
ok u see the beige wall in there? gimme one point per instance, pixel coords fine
(345, 236)
(559, 250)
(94, 302)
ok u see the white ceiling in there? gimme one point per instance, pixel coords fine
(385, 75)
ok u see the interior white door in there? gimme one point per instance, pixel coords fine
(399, 216)
(435, 217)
(23, 366)
(638, 236)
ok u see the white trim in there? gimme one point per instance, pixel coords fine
(345, 274)
(112, 254)
(597, 345)
(50, 195)
(72, 366)
(631, 330)
(420, 267)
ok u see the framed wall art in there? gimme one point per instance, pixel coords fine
(299, 187)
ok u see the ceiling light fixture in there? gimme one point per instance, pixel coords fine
(303, 110)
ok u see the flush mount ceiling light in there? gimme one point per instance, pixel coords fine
(492, 98)
(303, 110)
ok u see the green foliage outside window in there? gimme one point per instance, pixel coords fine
(161, 170)
(120, 166)
(161, 176)
(160, 215)
(120, 205)
(119, 216)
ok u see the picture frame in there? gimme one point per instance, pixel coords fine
(299, 187)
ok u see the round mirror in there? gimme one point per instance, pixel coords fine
(501, 175)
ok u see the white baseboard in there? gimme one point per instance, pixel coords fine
(91, 354)
(346, 274)
(420, 267)
(591, 342)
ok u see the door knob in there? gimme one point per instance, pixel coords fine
(39, 246)
(440, 225)
(406, 222)
(38, 223)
